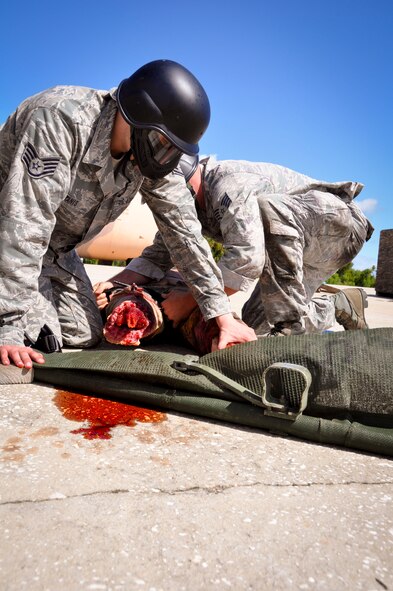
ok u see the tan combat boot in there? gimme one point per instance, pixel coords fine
(349, 305)
(286, 329)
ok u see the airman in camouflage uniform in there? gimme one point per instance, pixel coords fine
(60, 185)
(288, 230)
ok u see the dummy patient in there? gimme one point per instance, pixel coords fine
(134, 314)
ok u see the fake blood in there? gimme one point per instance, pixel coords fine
(126, 325)
(102, 415)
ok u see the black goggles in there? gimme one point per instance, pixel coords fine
(162, 150)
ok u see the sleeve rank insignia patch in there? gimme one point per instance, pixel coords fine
(38, 167)
(221, 209)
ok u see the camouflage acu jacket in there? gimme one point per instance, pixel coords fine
(59, 188)
(233, 189)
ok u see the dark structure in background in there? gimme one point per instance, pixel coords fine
(384, 280)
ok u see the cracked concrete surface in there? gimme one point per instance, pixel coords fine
(181, 503)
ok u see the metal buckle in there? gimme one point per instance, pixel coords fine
(282, 395)
(285, 389)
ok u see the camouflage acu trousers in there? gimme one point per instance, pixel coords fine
(308, 237)
(66, 303)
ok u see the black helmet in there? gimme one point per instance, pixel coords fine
(165, 96)
(168, 110)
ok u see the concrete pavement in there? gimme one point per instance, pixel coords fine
(181, 503)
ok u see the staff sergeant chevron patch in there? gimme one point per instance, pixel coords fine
(38, 167)
(224, 204)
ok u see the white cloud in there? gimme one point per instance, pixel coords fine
(367, 205)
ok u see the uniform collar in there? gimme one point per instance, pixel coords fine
(99, 149)
(99, 154)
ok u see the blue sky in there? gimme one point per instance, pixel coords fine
(306, 84)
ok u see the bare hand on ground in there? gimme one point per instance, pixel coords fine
(20, 356)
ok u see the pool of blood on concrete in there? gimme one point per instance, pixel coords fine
(102, 415)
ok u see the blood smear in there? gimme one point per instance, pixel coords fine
(102, 415)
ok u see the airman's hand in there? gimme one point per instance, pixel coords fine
(178, 305)
(232, 332)
(99, 290)
(20, 356)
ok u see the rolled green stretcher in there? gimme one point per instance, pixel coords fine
(334, 388)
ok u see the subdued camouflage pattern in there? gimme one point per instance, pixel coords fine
(284, 228)
(174, 212)
(59, 187)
